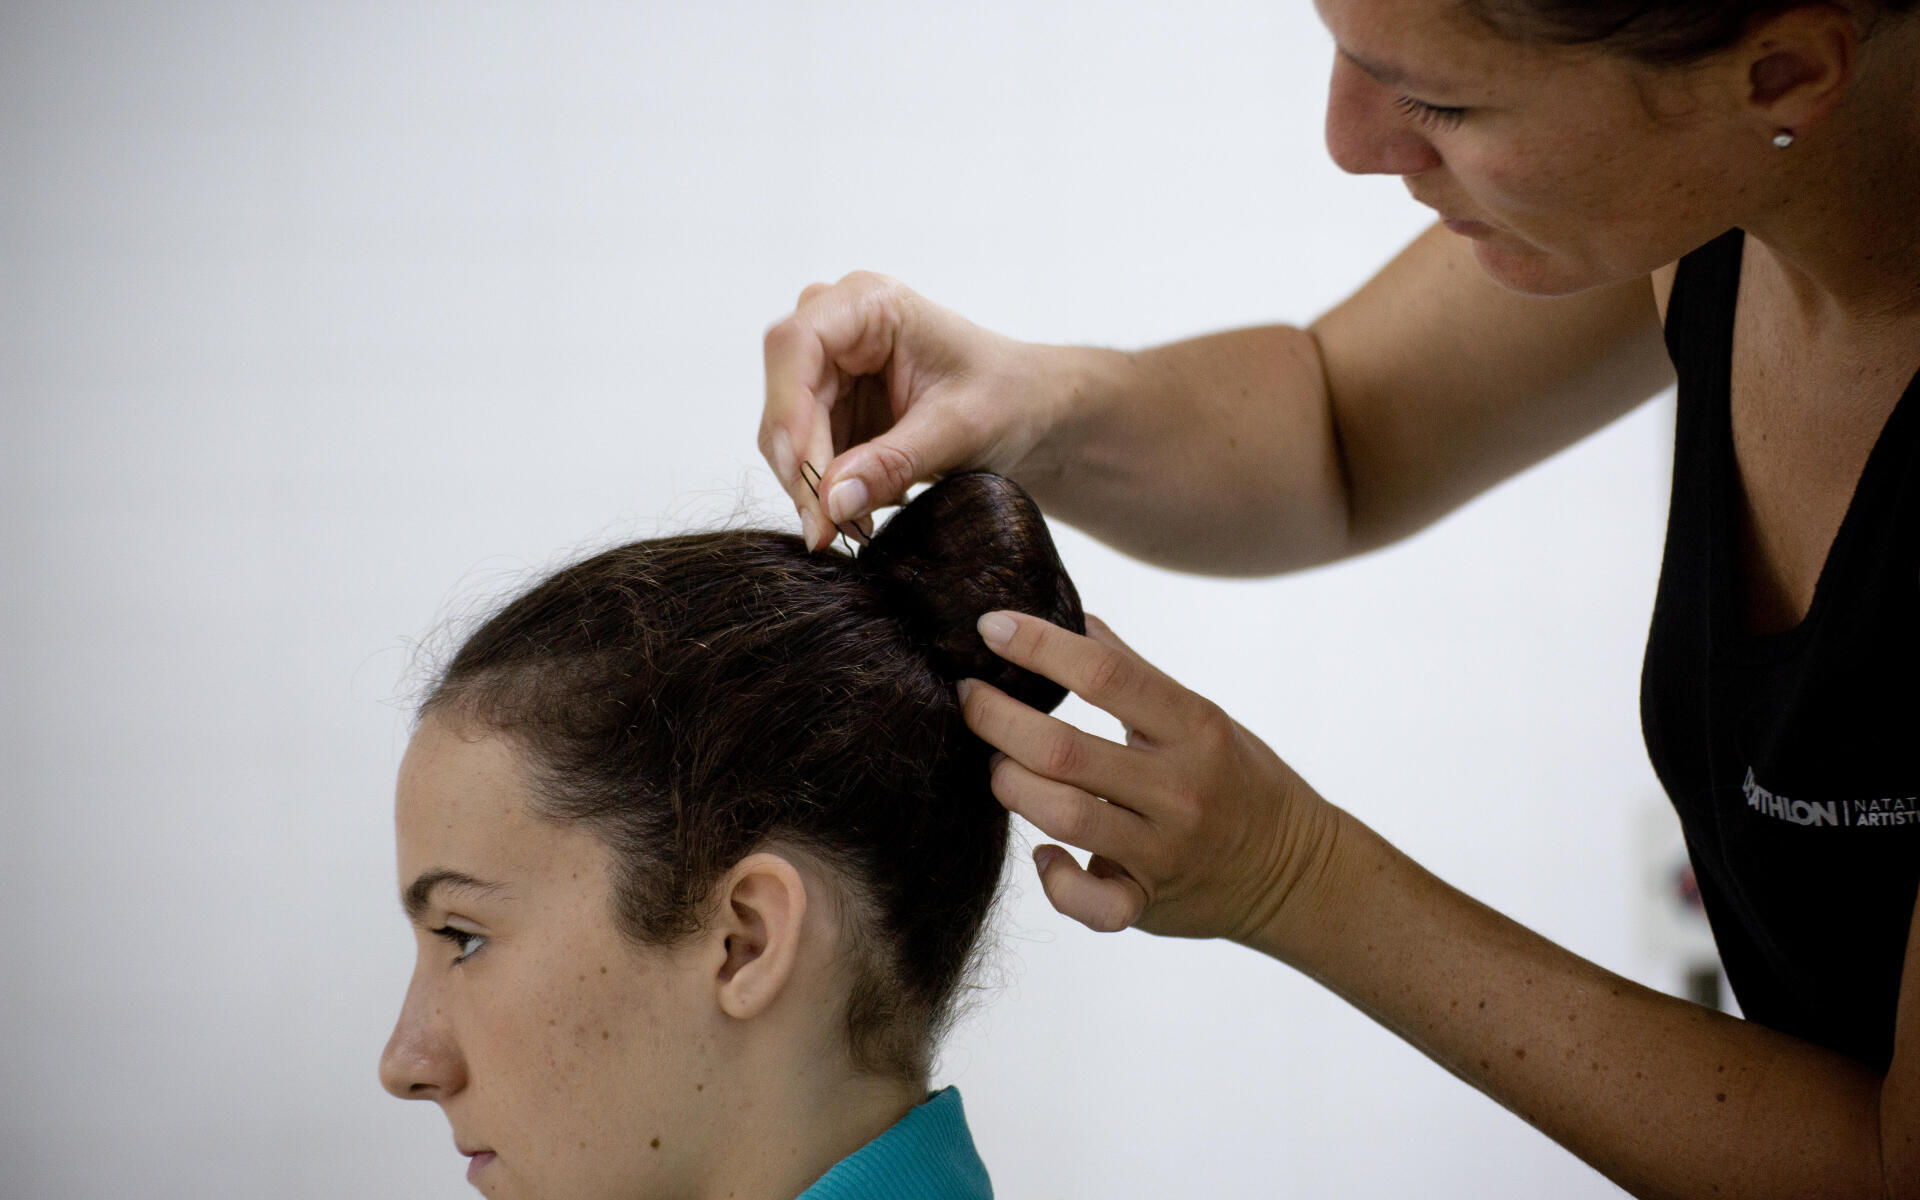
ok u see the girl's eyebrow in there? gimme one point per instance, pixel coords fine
(414, 899)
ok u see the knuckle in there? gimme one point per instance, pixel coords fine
(782, 335)
(1064, 758)
(1185, 808)
(868, 281)
(1071, 822)
(896, 466)
(1034, 637)
(1211, 728)
(1108, 675)
(1112, 917)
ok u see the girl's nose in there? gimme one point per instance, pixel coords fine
(422, 1060)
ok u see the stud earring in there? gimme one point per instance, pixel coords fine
(1783, 139)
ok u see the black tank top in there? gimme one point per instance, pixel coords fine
(1792, 758)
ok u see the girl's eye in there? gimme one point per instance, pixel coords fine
(466, 941)
(1432, 115)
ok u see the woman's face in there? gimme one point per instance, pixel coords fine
(582, 1066)
(1568, 168)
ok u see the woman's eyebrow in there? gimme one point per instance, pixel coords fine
(1390, 75)
(414, 899)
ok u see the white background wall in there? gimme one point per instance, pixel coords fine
(320, 321)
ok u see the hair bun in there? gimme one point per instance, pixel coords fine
(970, 544)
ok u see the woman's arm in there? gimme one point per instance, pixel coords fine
(1252, 451)
(1197, 829)
(1664, 1097)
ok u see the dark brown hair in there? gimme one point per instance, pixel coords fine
(1654, 32)
(696, 698)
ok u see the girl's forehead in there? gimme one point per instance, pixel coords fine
(462, 803)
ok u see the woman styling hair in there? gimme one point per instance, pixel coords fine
(697, 850)
(1630, 194)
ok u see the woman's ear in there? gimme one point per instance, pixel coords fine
(764, 909)
(1798, 64)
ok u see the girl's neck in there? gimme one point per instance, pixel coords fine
(796, 1124)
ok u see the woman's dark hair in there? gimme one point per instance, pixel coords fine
(695, 698)
(1655, 32)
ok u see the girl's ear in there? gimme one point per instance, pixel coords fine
(763, 910)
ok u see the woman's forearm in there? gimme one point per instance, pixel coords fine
(1216, 455)
(1662, 1096)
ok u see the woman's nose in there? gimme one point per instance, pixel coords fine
(422, 1060)
(1366, 132)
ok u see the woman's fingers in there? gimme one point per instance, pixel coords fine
(1099, 669)
(847, 376)
(1202, 830)
(1065, 812)
(1049, 747)
(1101, 896)
(877, 472)
(834, 335)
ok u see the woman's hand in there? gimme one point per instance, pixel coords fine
(1195, 827)
(880, 389)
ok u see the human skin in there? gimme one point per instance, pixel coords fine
(572, 1062)
(1271, 449)
(1197, 829)
(1567, 174)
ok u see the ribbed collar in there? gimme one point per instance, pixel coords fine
(926, 1155)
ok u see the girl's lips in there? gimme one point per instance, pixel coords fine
(1466, 228)
(479, 1162)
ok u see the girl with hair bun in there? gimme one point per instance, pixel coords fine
(697, 850)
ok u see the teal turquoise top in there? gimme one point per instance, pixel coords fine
(926, 1155)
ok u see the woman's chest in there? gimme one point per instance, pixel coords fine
(1805, 418)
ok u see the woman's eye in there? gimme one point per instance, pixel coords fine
(466, 941)
(1432, 115)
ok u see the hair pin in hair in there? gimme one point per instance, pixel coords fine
(846, 539)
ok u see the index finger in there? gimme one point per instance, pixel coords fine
(834, 334)
(1102, 670)
(794, 426)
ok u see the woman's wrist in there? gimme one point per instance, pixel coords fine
(1076, 396)
(1309, 893)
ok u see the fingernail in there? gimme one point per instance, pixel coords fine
(964, 688)
(993, 763)
(1043, 857)
(809, 528)
(996, 629)
(847, 500)
(783, 460)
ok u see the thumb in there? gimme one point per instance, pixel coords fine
(877, 473)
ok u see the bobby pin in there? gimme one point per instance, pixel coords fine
(846, 539)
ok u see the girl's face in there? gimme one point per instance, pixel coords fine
(1568, 168)
(568, 1061)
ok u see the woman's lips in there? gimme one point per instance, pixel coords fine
(1466, 228)
(479, 1162)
